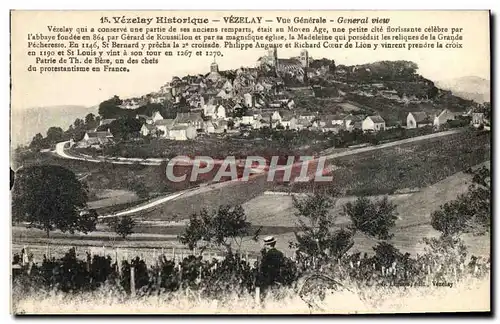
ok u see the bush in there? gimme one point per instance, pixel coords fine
(139, 188)
(456, 123)
(123, 226)
(444, 259)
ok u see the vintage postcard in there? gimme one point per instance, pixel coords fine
(250, 162)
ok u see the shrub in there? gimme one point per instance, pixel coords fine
(123, 226)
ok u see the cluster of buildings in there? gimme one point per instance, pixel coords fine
(421, 119)
(184, 126)
(251, 98)
(189, 125)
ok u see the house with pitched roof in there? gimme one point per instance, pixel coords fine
(156, 116)
(227, 86)
(373, 123)
(248, 99)
(329, 123)
(288, 121)
(303, 123)
(224, 95)
(248, 118)
(148, 129)
(189, 118)
(276, 116)
(163, 126)
(443, 117)
(182, 132)
(477, 119)
(209, 109)
(352, 122)
(96, 139)
(108, 121)
(418, 119)
(215, 112)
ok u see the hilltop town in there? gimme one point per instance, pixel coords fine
(299, 105)
(295, 93)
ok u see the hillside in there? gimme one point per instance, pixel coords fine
(25, 123)
(391, 89)
(408, 166)
(414, 216)
(469, 87)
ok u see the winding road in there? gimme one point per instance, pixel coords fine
(61, 152)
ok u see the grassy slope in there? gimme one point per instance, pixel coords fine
(276, 214)
(412, 165)
(407, 166)
(103, 176)
(414, 212)
(426, 163)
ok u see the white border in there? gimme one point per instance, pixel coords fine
(192, 5)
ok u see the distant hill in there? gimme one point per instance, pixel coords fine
(469, 87)
(25, 123)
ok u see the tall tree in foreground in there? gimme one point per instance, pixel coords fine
(373, 218)
(50, 197)
(319, 237)
(316, 236)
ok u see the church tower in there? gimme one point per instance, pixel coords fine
(214, 67)
(304, 58)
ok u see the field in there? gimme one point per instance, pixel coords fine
(275, 214)
(414, 211)
(432, 172)
(385, 171)
(106, 176)
(108, 197)
(403, 167)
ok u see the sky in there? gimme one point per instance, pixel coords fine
(32, 89)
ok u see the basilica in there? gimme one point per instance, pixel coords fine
(294, 66)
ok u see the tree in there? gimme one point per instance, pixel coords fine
(324, 62)
(332, 67)
(38, 142)
(217, 228)
(91, 122)
(123, 226)
(54, 135)
(125, 127)
(386, 254)
(110, 108)
(486, 109)
(78, 135)
(373, 218)
(79, 123)
(50, 197)
(316, 236)
(139, 188)
(471, 211)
